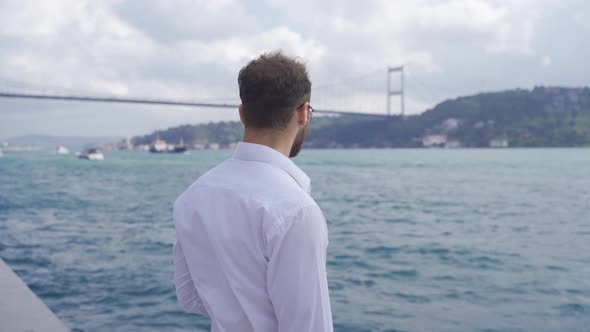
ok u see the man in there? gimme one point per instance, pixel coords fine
(251, 242)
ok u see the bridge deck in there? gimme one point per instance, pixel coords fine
(162, 102)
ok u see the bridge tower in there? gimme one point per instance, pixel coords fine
(400, 92)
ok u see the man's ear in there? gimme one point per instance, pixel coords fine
(302, 116)
(241, 111)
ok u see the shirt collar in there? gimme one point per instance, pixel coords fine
(263, 153)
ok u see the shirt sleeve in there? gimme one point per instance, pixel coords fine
(186, 293)
(296, 276)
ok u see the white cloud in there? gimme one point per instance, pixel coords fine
(93, 50)
(169, 22)
(235, 51)
(193, 49)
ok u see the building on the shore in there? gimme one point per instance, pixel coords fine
(454, 144)
(499, 143)
(22, 148)
(450, 124)
(125, 144)
(213, 146)
(435, 140)
(143, 147)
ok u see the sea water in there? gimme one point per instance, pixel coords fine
(419, 240)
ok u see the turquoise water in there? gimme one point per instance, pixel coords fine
(420, 240)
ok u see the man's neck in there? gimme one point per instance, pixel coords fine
(269, 139)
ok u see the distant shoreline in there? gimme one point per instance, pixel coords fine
(51, 151)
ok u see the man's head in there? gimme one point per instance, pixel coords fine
(275, 90)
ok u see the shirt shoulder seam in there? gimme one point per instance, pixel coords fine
(287, 222)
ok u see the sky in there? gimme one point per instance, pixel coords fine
(194, 49)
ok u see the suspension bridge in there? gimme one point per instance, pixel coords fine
(367, 95)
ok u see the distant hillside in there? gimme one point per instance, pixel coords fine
(47, 142)
(222, 133)
(544, 116)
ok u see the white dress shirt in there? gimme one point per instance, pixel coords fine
(251, 246)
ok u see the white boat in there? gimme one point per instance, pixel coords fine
(91, 154)
(159, 146)
(62, 150)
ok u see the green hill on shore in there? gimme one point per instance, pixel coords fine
(541, 117)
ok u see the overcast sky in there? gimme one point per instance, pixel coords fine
(193, 50)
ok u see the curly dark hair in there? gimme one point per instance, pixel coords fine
(271, 88)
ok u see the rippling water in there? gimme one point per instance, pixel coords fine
(420, 240)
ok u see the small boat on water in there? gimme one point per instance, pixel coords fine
(62, 150)
(91, 154)
(160, 146)
(179, 149)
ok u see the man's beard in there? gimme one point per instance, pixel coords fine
(298, 142)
